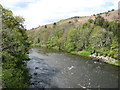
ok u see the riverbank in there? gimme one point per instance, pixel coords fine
(105, 59)
(101, 58)
(95, 57)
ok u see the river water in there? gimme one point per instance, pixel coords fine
(62, 70)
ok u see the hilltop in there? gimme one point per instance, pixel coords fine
(111, 15)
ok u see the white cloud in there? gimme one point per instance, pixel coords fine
(41, 12)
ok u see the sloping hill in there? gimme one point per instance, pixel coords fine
(78, 20)
(95, 35)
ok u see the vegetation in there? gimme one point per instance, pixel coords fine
(95, 36)
(14, 48)
(85, 53)
(113, 10)
(107, 13)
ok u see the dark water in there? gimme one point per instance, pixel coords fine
(63, 70)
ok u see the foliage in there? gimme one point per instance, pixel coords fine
(95, 36)
(114, 48)
(100, 21)
(113, 10)
(113, 26)
(90, 20)
(117, 63)
(100, 38)
(14, 46)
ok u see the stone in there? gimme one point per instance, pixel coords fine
(36, 67)
(35, 73)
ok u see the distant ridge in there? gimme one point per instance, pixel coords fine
(111, 15)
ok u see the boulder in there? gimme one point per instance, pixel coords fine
(36, 67)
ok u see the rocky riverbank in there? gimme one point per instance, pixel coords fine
(105, 59)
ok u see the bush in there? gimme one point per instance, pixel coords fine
(54, 23)
(45, 26)
(69, 46)
(113, 10)
(56, 48)
(90, 20)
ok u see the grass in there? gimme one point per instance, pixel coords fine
(117, 63)
(73, 52)
(85, 53)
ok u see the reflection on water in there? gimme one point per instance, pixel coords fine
(63, 70)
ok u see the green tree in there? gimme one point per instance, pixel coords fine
(14, 46)
(100, 21)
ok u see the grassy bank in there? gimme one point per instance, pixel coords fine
(97, 36)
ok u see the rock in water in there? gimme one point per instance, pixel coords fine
(36, 67)
(35, 73)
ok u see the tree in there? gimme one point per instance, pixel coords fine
(90, 20)
(100, 21)
(113, 10)
(14, 47)
(54, 23)
(45, 26)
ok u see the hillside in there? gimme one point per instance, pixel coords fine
(71, 53)
(93, 36)
(78, 20)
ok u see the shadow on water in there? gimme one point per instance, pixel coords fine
(41, 73)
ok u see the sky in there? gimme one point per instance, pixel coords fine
(42, 12)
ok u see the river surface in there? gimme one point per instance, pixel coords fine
(62, 70)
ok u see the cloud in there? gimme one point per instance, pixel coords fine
(41, 12)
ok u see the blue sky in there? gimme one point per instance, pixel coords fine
(41, 12)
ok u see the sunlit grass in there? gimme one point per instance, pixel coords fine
(85, 53)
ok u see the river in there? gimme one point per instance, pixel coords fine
(52, 69)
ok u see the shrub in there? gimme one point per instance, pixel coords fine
(113, 10)
(54, 23)
(45, 26)
(90, 20)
